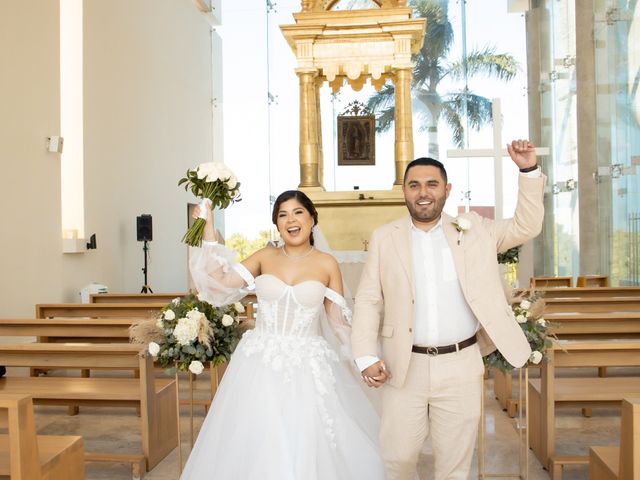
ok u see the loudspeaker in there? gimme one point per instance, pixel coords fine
(144, 228)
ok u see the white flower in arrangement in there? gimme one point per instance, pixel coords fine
(521, 319)
(535, 357)
(542, 322)
(176, 301)
(525, 304)
(169, 315)
(195, 315)
(154, 349)
(186, 330)
(196, 367)
(239, 307)
(227, 320)
(159, 323)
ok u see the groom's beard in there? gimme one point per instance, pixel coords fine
(428, 213)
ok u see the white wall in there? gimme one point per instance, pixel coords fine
(30, 238)
(147, 118)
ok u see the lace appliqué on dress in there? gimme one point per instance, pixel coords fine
(284, 353)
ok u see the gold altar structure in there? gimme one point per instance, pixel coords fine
(350, 47)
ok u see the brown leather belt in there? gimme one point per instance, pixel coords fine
(456, 347)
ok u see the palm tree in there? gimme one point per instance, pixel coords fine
(432, 66)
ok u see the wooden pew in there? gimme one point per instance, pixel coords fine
(134, 297)
(592, 281)
(27, 456)
(550, 282)
(98, 310)
(584, 326)
(592, 305)
(589, 292)
(623, 462)
(549, 392)
(114, 330)
(156, 398)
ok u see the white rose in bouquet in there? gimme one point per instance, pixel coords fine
(525, 304)
(196, 367)
(521, 319)
(227, 320)
(169, 315)
(154, 349)
(239, 307)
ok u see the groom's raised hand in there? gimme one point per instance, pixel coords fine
(376, 375)
(523, 153)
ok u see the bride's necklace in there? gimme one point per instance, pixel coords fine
(296, 257)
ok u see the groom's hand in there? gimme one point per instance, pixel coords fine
(523, 153)
(376, 375)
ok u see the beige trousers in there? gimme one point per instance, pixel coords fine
(440, 398)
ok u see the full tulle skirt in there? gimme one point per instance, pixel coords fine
(304, 418)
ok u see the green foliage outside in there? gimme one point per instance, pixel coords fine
(244, 246)
(433, 64)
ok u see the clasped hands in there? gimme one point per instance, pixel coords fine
(376, 375)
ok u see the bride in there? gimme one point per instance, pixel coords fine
(288, 406)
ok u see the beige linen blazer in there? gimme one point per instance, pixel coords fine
(385, 299)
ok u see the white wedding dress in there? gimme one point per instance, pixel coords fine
(288, 407)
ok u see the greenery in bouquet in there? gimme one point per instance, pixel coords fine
(527, 311)
(510, 256)
(189, 333)
(212, 182)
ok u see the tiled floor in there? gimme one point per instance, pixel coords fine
(116, 430)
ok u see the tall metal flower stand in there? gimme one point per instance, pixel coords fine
(522, 424)
(215, 380)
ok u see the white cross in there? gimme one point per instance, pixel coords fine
(497, 152)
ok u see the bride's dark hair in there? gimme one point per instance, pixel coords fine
(304, 201)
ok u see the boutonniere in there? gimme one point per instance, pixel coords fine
(462, 225)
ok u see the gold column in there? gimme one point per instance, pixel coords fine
(403, 121)
(319, 82)
(308, 130)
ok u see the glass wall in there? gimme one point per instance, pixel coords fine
(554, 27)
(616, 30)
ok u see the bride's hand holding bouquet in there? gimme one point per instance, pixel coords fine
(216, 186)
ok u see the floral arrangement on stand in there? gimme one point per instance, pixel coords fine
(527, 311)
(214, 183)
(189, 333)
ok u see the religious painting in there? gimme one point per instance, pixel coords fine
(356, 140)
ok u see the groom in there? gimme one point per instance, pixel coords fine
(432, 290)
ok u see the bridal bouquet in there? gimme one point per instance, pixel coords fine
(527, 311)
(216, 185)
(189, 333)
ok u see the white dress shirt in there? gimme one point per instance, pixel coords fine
(442, 315)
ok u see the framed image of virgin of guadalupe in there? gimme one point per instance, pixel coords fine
(356, 136)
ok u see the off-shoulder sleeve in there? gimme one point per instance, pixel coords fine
(218, 277)
(338, 320)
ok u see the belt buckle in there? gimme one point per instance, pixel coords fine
(432, 351)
